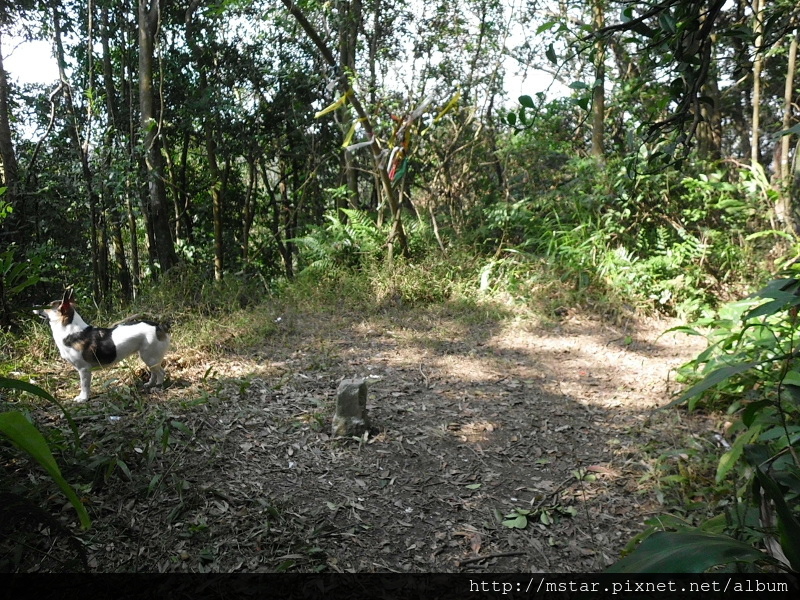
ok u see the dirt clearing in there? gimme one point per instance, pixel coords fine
(497, 445)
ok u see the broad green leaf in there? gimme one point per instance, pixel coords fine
(779, 300)
(712, 379)
(24, 386)
(24, 435)
(583, 103)
(685, 552)
(526, 101)
(795, 129)
(732, 456)
(759, 234)
(547, 25)
(792, 378)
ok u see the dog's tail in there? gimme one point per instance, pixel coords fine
(164, 326)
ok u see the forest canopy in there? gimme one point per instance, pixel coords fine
(264, 139)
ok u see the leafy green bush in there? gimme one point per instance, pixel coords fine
(342, 242)
(665, 241)
(751, 370)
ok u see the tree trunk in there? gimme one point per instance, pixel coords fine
(216, 185)
(755, 154)
(248, 210)
(788, 95)
(598, 90)
(786, 204)
(111, 200)
(349, 23)
(158, 211)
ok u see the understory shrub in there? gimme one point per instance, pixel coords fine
(751, 371)
(664, 241)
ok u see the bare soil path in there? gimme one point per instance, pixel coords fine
(478, 418)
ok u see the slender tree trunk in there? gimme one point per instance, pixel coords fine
(217, 185)
(788, 96)
(216, 201)
(248, 210)
(787, 203)
(115, 132)
(121, 263)
(9, 180)
(599, 91)
(755, 146)
(349, 24)
(158, 210)
(133, 231)
(281, 214)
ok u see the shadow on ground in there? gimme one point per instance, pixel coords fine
(497, 445)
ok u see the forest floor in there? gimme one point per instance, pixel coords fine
(478, 417)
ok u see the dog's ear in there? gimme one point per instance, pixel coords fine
(67, 301)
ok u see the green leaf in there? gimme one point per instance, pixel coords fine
(24, 386)
(685, 552)
(712, 379)
(550, 53)
(778, 300)
(526, 101)
(792, 378)
(731, 457)
(583, 103)
(792, 130)
(181, 427)
(547, 25)
(518, 522)
(25, 436)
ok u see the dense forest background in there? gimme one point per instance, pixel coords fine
(261, 140)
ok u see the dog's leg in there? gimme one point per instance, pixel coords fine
(86, 384)
(156, 376)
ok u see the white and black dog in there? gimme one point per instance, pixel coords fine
(86, 347)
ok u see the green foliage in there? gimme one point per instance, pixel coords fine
(353, 239)
(661, 241)
(192, 290)
(750, 369)
(16, 427)
(690, 551)
(349, 239)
